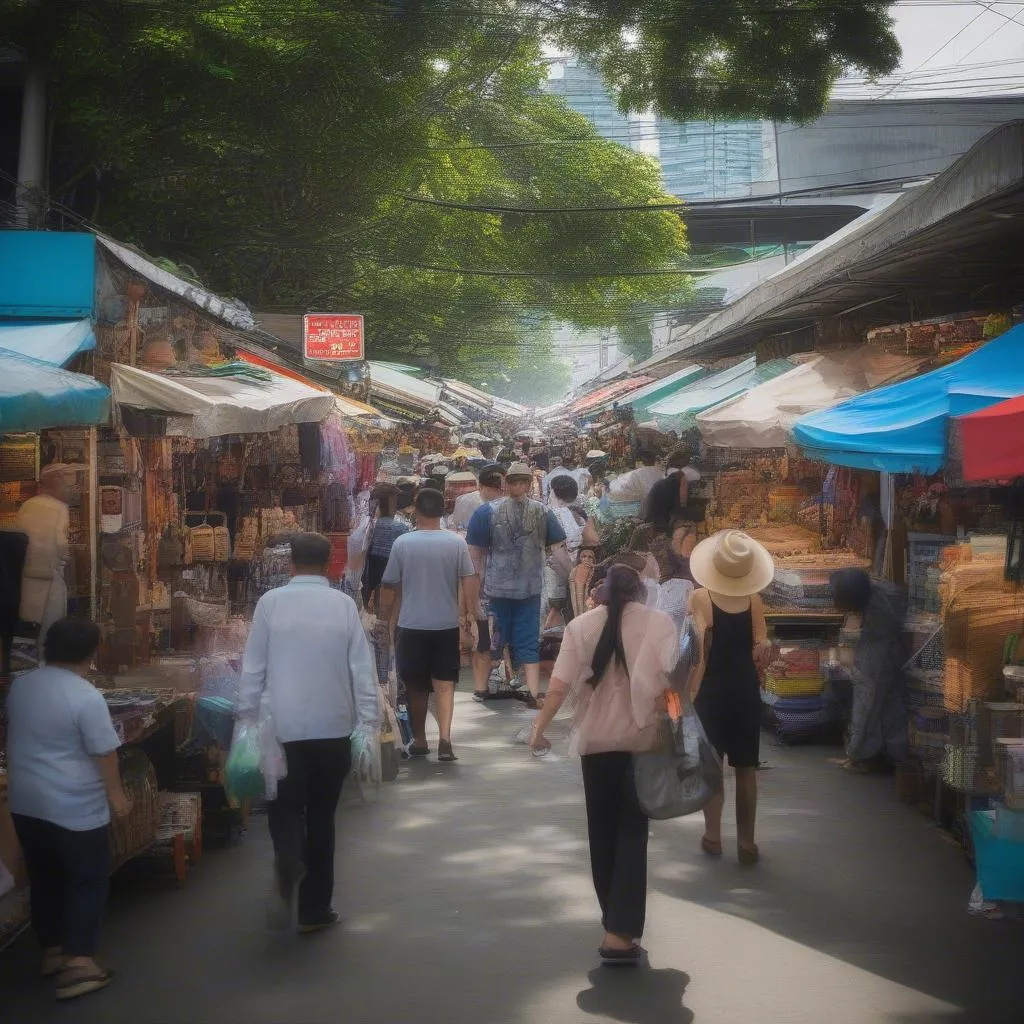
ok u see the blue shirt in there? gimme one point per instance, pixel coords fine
(516, 536)
(308, 652)
(58, 723)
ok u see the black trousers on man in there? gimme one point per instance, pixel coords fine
(302, 821)
(618, 831)
(68, 873)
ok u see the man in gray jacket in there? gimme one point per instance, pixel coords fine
(308, 656)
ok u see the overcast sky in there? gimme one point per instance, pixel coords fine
(949, 47)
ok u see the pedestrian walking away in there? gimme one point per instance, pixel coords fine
(308, 656)
(616, 662)
(422, 578)
(729, 622)
(508, 539)
(64, 782)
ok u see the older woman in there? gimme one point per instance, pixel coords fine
(63, 783)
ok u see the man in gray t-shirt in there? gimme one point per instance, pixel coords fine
(423, 574)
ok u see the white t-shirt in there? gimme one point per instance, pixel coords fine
(465, 506)
(58, 723)
(635, 486)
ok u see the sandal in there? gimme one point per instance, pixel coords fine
(631, 957)
(445, 752)
(712, 847)
(416, 751)
(73, 982)
(749, 855)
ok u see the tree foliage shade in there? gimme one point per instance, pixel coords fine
(273, 146)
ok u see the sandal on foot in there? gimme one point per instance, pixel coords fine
(749, 854)
(73, 982)
(445, 752)
(712, 847)
(631, 957)
(310, 927)
(414, 750)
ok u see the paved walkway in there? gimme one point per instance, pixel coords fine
(466, 897)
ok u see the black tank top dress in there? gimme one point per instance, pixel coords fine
(729, 699)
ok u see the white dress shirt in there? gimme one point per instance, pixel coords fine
(635, 485)
(308, 651)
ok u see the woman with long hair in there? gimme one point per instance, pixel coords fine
(615, 662)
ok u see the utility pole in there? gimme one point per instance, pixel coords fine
(32, 147)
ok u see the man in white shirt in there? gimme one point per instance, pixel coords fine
(571, 468)
(636, 485)
(308, 656)
(44, 519)
(491, 481)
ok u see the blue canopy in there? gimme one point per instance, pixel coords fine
(35, 394)
(902, 428)
(53, 341)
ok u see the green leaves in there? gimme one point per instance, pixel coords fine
(274, 147)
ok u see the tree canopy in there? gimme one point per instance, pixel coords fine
(400, 157)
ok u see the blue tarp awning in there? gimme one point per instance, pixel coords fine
(35, 394)
(51, 341)
(902, 428)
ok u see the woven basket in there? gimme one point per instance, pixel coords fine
(137, 831)
(221, 544)
(201, 543)
(207, 614)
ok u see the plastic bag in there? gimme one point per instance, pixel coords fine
(366, 756)
(273, 762)
(358, 543)
(243, 779)
(681, 774)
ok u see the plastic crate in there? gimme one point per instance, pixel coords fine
(999, 860)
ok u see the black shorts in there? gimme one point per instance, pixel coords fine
(483, 636)
(423, 655)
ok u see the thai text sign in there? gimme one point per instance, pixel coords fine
(333, 336)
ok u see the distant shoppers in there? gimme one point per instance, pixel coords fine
(569, 468)
(636, 485)
(44, 518)
(669, 498)
(564, 493)
(509, 539)
(878, 717)
(423, 576)
(490, 482)
(308, 654)
(384, 531)
(616, 661)
(732, 640)
(63, 784)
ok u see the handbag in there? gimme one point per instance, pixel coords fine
(683, 771)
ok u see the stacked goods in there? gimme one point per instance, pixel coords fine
(793, 692)
(980, 611)
(930, 337)
(786, 541)
(740, 499)
(928, 732)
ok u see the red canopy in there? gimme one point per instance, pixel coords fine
(993, 441)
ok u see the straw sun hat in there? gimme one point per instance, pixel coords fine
(731, 563)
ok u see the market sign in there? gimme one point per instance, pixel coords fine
(337, 337)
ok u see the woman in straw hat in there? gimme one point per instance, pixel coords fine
(729, 620)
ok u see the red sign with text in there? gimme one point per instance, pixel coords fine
(333, 336)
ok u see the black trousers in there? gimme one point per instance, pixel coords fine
(68, 873)
(301, 820)
(618, 830)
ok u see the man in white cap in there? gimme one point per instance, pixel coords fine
(44, 519)
(508, 539)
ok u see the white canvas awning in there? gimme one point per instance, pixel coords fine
(764, 416)
(211, 406)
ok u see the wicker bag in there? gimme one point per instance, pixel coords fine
(135, 833)
(245, 541)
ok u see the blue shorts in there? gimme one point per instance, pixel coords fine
(518, 622)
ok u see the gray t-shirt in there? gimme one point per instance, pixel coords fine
(57, 723)
(428, 565)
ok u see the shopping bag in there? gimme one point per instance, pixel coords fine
(242, 777)
(682, 772)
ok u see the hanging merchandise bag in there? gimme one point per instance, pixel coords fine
(202, 545)
(242, 777)
(170, 551)
(682, 772)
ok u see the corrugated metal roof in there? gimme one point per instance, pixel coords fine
(606, 394)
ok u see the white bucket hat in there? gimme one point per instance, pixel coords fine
(733, 564)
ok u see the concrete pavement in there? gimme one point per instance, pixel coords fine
(466, 897)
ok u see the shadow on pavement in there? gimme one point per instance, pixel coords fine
(636, 996)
